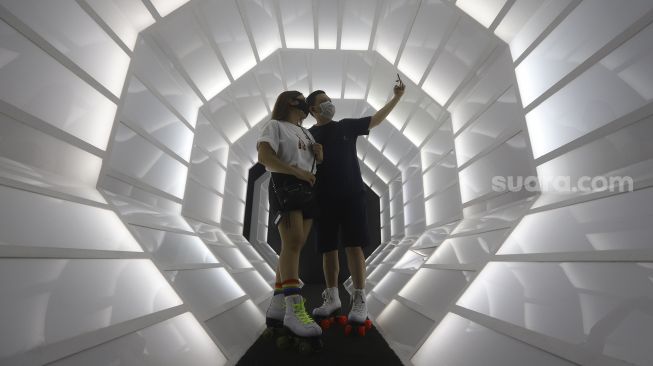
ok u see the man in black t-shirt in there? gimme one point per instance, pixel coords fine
(341, 198)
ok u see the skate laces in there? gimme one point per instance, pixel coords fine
(326, 296)
(358, 306)
(300, 312)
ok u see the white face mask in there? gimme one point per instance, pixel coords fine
(327, 110)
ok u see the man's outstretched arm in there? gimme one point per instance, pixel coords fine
(383, 113)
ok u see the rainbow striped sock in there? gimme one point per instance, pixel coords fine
(290, 287)
(278, 288)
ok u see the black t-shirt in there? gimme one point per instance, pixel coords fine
(339, 174)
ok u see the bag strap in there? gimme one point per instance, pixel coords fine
(309, 140)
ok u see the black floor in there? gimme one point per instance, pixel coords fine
(338, 349)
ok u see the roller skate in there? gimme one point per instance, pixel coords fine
(299, 331)
(357, 319)
(327, 314)
(274, 316)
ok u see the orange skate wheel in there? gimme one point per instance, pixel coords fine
(325, 324)
(361, 330)
(368, 324)
(347, 329)
(342, 320)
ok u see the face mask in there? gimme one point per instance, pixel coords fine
(302, 106)
(328, 110)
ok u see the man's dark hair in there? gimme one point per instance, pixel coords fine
(310, 100)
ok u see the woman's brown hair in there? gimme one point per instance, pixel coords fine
(281, 110)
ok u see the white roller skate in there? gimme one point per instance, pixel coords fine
(274, 315)
(301, 331)
(327, 312)
(358, 315)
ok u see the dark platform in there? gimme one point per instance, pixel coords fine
(338, 349)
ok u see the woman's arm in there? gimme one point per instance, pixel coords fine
(269, 158)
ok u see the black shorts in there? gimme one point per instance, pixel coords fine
(342, 221)
(309, 212)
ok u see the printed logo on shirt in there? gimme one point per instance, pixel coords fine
(301, 145)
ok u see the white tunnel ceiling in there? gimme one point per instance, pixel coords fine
(235, 57)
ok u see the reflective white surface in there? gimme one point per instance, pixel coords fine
(136, 157)
(263, 24)
(49, 300)
(237, 328)
(30, 219)
(67, 27)
(483, 11)
(154, 68)
(231, 256)
(297, 21)
(182, 33)
(618, 222)
(617, 85)
(388, 287)
(604, 305)
(502, 119)
(484, 88)
(403, 327)
(526, 20)
(226, 27)
(142, 108)
(165, 7)
(138, 213)
(172, 248)
(588, 28)
(624, 153)
(47, 90)
(125, 18)
(206, 290)
(253, 284)
(202, 203)
(468, 250)
(511, 159)
(394, 18)
(482, 346)
(358, 17)
(435, 289)
(429, 28)
(468, 42)
(34, 157)
(177, 341)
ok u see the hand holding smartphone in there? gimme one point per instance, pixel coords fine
(400, 87)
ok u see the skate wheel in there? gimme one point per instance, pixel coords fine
(284, 342)
(325, 324)
(361, 330)
(347, 329)
(304, 347)
(268, 333)
(368, 324)
(342, 320)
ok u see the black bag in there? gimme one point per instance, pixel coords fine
(292, 193)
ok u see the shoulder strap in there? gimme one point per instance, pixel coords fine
(309, 140)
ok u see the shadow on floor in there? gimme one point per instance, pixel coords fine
(338, 349)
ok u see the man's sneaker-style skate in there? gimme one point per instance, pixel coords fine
(358, 314)
(330, 307)
(301, 331)
(274, 315)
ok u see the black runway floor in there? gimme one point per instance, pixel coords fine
(371, 349)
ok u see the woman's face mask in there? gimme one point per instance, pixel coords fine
(327, 110)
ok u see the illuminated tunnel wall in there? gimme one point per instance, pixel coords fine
(128, 127)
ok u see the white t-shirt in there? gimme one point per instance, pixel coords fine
(292, 145)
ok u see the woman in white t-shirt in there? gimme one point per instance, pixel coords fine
(287, 149)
